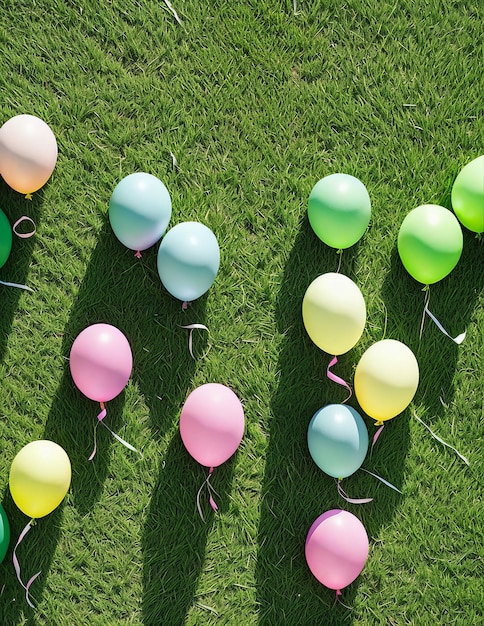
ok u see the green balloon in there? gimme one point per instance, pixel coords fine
(430, 243)
(5, 238)
(339, 210)
(4, 533)
(468, 195)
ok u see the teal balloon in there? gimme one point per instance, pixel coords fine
(468, 195)
(430, 243)
(140, 210)
(339, 210)
(338, 440)
(4, 533)
(5, 238)
(188, 260)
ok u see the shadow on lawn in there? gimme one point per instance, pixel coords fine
(120, 290)
(295, 492)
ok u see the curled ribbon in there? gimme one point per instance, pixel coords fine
(211, 491)
(458, 340)
(337, 379)
(191, 328)
(345, 496)
(17, 565)
(24, 218)
(385, 482)
(377, 434)
(15, 285)
(100, 419)
(338, 599)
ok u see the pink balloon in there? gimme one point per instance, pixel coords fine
(212, 424)
(101, 362)
(336, 548)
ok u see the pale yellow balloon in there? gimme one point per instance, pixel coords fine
(40, 477)
(386, 379)
(28, 153)
(334, 313)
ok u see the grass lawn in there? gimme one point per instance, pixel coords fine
(256, 103)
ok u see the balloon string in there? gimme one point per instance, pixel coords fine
(19, 221)
(15, 285)
(191, 328)
(337, 379)
(385, 482)
(16, 563)
(100, 419)
(461, 456)
(377, 435)
(338, 599)
(345, 496)
(426, 301)
(138, 254)
(211, 491)
(458, 340)
(340, 253)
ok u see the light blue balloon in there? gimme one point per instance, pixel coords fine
(338, 440)
(139, 210)
(188, 260)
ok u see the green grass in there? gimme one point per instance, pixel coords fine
(257, 105)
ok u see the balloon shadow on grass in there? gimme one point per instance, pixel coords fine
(35, 555)
(126, 292)
(295, 491)
(452, 301)
(175, 536)
(15, 270)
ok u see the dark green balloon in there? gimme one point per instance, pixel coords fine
(5, 238)
(4, 533)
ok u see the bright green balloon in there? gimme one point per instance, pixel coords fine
(5, 238)
(430, 243)
(339, 210)
(468, 195)
(4, 533)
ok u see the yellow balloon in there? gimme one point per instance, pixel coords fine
(334, 313)
(40, 476)
(386, 379)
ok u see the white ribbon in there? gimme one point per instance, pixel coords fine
(441, 440)
(191, 328)
(458, 340)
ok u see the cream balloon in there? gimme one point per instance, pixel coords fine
(386, 379)
(28, 153)
(334, 313)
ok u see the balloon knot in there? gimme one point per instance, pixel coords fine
(426, 287)
(28, 196)
(379, 423)
(184, 305)
(138, 254)
(338, 592)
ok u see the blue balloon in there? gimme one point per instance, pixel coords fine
(338, 440)
(188, 260)
(139, 210)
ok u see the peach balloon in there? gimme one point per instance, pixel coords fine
(28, 153)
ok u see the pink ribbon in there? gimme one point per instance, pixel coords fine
(377, 434)
(24, 218)
(345, 496)
(17, 565)
(211, 490)
(337, 379)
(100, 419)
